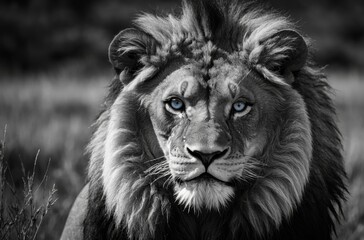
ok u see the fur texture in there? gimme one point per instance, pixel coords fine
(282, 176)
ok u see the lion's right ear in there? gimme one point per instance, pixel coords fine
(128, 49)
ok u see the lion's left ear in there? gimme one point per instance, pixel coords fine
(282, 54)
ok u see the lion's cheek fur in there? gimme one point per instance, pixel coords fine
(275, 196)
(130, 198)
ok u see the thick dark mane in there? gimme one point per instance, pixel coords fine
(206, 31)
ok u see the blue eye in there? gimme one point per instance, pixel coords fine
(176, 104)
(239, 106)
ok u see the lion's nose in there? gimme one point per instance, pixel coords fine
(207, 158)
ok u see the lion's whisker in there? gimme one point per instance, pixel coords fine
(154, 159)
(168, 181)
(162, 176)
(157, 167)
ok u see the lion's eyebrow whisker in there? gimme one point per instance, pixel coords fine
(244, 77)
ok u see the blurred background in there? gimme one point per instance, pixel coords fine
(54, 73)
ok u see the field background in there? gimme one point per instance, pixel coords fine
(54, 74)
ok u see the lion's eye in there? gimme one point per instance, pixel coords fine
(176, 104)
(241, 108)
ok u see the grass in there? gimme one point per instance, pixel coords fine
(22, 214)
(54, 113)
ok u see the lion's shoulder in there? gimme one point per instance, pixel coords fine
(73, 228)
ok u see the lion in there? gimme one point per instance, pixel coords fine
(218, 125)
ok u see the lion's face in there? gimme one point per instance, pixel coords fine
(219, 111)
(212, 131)
(204, 125)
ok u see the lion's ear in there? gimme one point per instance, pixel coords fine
(283, 53)
(128, 48)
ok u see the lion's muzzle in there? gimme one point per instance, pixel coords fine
(206, 146)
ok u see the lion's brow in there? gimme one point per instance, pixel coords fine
(183, 88)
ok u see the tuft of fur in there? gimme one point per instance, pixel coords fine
(209, 194)
(230, 26)
(298, 196)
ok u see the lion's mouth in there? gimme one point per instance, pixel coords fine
(204, 177)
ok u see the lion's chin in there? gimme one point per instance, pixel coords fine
(201, 194)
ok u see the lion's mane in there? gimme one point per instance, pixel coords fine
(301, 196)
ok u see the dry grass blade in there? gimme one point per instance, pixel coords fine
(21, 216)
(2, 180)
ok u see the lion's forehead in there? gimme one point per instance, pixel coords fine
(225, 70)
(193, 81)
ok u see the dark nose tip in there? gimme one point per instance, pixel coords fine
(207, 158)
